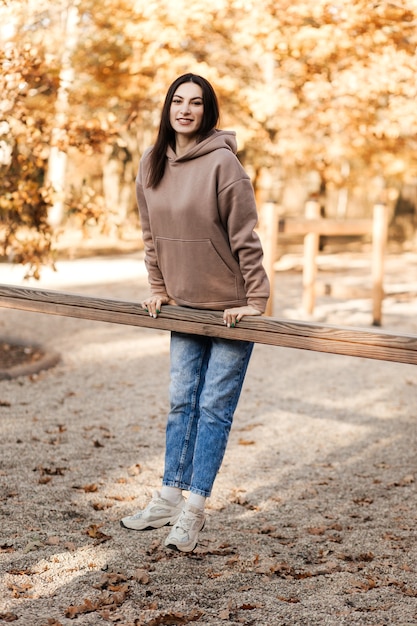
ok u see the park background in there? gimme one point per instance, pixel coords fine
(321, 94)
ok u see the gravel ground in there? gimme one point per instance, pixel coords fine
(313, 515)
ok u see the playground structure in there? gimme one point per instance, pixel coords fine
(311, 226)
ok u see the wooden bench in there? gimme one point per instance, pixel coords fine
(356, 342)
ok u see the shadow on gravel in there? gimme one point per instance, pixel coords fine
(19, 358)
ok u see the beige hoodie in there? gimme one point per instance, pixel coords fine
(200, 246)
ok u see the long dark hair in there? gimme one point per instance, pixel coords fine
(166, 134)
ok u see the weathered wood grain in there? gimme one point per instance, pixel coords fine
(380, 345)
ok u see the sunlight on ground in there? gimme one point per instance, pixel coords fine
(62, 568)
(125, 349)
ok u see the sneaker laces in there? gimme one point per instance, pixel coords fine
(137, 515)
(186, 520)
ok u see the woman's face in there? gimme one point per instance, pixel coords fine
(187, 110)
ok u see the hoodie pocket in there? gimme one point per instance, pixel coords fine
(194, 271)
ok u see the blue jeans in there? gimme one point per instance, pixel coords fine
(207, 375)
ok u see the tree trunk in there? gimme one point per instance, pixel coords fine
(57, 162)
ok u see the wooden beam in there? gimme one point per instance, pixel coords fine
(356, 342)
(325, 226)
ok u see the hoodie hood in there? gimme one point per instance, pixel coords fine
(216, 140)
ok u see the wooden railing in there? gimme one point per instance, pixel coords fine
(311, 227)
(355, 342)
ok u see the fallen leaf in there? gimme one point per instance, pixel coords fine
(267, 530)
(316, 531)
(44, 480)
(110, 580)
(6, 547)
(90, 488)
(33, 545)
(52, 541)
(9, 494)
(363, 501)
(52, 471)
(365, 585)
(283, 570)
(8, 617)
(224, 614)
(221, 550)
(392, 537)
(101, 506)
(20, 572)
(175, 619)
(235, 558)
(60, 429)
(75, 610)
(141, 576)
(134, 470)
(94, 532)
(121, 498)
(105, 600)
(153, 547)
(404, 482)
(20, 591)
(366, 557)
(214, 574)
(250, 427)
(411, 593)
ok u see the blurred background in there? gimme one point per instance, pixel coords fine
(322, 95)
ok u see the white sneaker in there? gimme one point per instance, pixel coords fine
(184, 535)
(158, 513)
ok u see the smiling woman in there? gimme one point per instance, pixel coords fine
(198, 215)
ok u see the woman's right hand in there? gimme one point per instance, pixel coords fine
(153, 304)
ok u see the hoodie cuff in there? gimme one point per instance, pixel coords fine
(160, 293)
(258, 303)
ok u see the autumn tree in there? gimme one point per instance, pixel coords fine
(343, 89)
(24, 198)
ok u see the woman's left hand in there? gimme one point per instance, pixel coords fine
(232, 316)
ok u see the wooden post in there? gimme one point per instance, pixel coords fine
(269, 234)
(311, 248)
(379, 240)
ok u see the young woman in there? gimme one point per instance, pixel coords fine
(198, 214)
